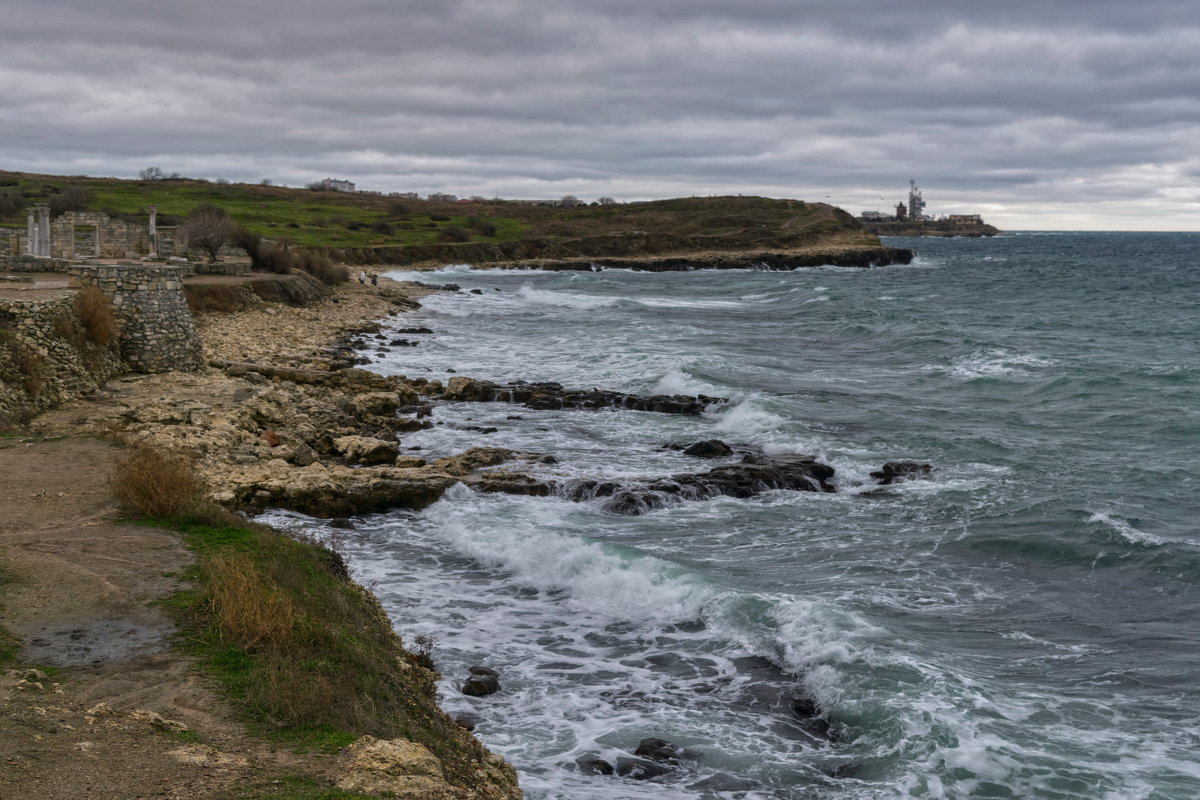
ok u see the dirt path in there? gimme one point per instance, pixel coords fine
(77, 588)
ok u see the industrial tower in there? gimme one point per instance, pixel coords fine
(916, 205)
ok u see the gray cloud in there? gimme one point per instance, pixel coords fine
(1044, 114)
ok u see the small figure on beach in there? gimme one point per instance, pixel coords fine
(374, 279)
(362, 276)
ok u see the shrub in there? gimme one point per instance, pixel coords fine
(153, 483)
(439, 218)
(30, 369)
(73, 198)
(381, 227)
(218, 297)
(322, 268)
(398, 209)
(264, 256)
(485, 227)
(95, 312)
(455, 233)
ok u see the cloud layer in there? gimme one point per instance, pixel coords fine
(1038, 115)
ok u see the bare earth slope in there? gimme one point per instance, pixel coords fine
(78, 591)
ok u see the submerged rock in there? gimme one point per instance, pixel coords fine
(642, 769)
(549, 396)
(594, 765)
(659, 750)
(899, 471)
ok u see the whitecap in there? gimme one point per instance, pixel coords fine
(1127, 531)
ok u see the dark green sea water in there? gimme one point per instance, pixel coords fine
(1022, 625)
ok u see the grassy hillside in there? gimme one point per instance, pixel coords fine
(345, 220)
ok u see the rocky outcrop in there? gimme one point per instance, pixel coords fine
(754, 475)
(407, 770)
(545, 396)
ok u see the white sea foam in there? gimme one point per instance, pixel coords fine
(997, 363)
(1126, 531)
(549, 297)
(678, 381)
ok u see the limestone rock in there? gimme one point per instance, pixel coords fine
(405, 769)
(366, 450)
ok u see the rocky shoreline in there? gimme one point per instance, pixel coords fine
(281, 418)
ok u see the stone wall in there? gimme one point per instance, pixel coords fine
(157, 331)
(22, 263)
(45, 357)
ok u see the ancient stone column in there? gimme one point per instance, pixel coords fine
(153, 231)
(30, 234)
(43, 230)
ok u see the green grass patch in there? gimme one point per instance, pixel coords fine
(308, 656)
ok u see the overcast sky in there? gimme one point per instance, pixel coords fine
(1039, 114)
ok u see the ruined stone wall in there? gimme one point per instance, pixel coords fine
(157, 330)
(93, 234)
(45, 357)
(23, 263)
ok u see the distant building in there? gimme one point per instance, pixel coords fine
(872, 216)
(442, 198)
(965, 219)
(335, 185)
(901, 211)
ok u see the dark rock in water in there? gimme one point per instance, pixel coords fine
(641, 769)
(594, 765)
(712, 448)
(414, 330)
(804, 707)
(724, 782)
(465, 720)
(477, 291)
(551, 396)
(899, 471)
(342, 523)
(478, 670)
(756, 474)
(479, 428)
(402, 343)
(658, 750)
(481, 684)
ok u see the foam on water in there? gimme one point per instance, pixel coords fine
(969, 634)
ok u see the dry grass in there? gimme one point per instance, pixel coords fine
(152, 483)
(218, 297)
(246, 606)
(95, 312)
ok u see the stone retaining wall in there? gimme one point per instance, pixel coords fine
(157, 331)
(45, 359)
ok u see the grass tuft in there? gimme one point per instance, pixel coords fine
(155, 483)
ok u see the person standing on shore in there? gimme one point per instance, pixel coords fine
(374, 278)
(362, 276)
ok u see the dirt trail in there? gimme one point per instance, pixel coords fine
(77, 589)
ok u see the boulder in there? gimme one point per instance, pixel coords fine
(594, 765)
(398, 767)
(481, 684)
(658, 750)
(900, 471)
(366, 450)
(712, 448)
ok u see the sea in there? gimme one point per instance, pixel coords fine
(1023, 622)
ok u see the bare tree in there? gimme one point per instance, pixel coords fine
(152, 174)
(208, 228)
(606, 201)
(569, 201)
